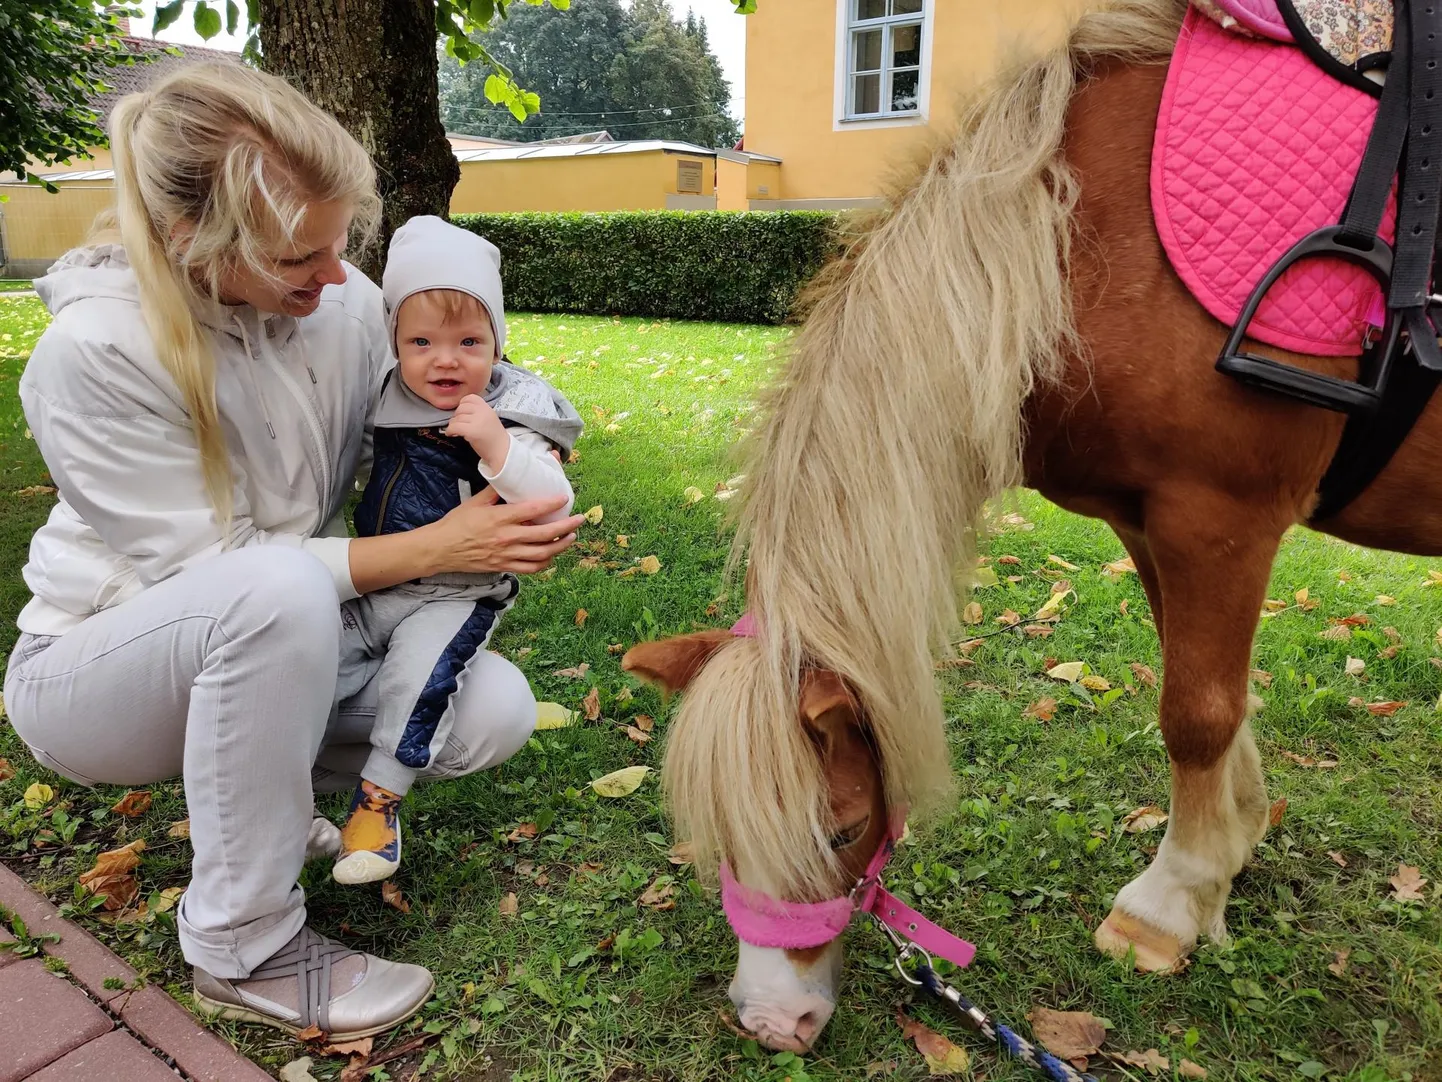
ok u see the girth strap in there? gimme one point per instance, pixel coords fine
(308, 958)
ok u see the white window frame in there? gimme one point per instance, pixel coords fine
(846, 26)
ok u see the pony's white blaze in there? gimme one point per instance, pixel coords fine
(785, 1005)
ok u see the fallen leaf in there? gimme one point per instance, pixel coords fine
(1339, 963)
(682, 853)
(1388, 652)
(1272, 605)
(1355, 666)
(638, 735)
(1095, 683)
(591, 704)
(1067, 673)
(693, 494)
(1068, 1035)
(524, 832)
(523, 651)
(644, 722)
(1308, 761)
(623, 540)
(510, 905)
(1337, 858)
(595, 514)
(589, 563)
(624, 695)
(1144, 818)
(1062, 563)
(581, 615)
(1037, 631)
(392, 896)
(1189, 1069)
(1117, 568)
(972, 614)
(1051, 611)
(1016, 521)
(650, 565)
(38, 795)
(1304, 600)
(360, 1048)
(1344, 576)
(1061, 586)
(133, 803)
(591, 867)
(1356, 700)
(1144, 674)
(35, 490)
(297, 1070)
(1383, 599)
(885, 1067)
(1043, 709)
(112, 877)
(1393, 635)
(1357, 619)
(1009, 618)
(1386, 709)
(6, 770)
(942, 1057)
(1276, 811)
(615, 647)
(575, 673)
(1009, 561)
(179, 829)
(1262, 677)
(1151, 1060)
(1433, 578)
(553, 716)
(659, 895)
(968, 646)
(621, 782)
(1336, 633)
(1407, 884)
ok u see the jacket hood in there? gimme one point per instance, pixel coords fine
(430, 253)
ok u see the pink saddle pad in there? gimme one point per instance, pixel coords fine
(1258, 16)
(1255, 147)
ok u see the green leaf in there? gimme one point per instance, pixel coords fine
(1311, 1069)
(232, 16)
(166, 15)
(481, 12)
(563, 5)
(492, 1006)
(496, 89)
(207, 20)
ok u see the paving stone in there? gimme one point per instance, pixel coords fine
(165, 1024)
(42, 1017)
(117, 1055)
(89, 960)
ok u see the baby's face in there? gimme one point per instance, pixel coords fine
(444, 360)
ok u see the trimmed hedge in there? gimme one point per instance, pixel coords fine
(735, 267)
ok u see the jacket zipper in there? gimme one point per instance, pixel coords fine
(317, 435)
(386, 494)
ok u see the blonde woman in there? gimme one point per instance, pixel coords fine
(201, 399)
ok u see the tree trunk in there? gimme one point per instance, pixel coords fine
(372, 63)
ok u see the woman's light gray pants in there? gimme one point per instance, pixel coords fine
(226, 675)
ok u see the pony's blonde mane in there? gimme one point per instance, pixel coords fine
(899, 414)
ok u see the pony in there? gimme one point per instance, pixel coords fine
(1010, 317)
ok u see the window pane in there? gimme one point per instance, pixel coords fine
(867, 51)
(905, 7)
(870, 9)
(905, 46)
(867, 94)
(903, 91)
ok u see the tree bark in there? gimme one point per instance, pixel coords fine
(372, 63)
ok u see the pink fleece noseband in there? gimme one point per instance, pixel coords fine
(764, 921)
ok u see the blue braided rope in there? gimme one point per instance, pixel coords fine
(1009, 1039)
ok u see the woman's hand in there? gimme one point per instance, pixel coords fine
(481, 535)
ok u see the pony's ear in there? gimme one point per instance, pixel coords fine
(829, 709)
(673, 663)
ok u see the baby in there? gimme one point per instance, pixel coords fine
(453, 417)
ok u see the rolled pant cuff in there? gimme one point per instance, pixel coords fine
(233, 955)
(386, 771)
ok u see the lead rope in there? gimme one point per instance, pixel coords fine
(1012, 1042)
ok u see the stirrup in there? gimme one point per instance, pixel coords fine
(1327, 392)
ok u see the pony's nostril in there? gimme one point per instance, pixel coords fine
(809, 1027)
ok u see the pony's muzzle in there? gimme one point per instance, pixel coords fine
(785, 1001)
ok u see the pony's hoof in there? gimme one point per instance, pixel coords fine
(1155, 951)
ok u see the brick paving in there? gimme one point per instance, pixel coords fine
(71, 1028)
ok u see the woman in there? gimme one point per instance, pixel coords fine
(200, 399)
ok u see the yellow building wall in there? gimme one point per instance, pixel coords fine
(731, 183)
(39, 226)
(639, 181)
(763, 180)
(791, 79)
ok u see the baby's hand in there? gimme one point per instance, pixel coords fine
(476, 423)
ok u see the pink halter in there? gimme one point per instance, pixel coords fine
(764, 921)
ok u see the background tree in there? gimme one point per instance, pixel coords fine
(53, 57)
(639, 74)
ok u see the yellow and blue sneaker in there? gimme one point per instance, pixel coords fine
(371, 837)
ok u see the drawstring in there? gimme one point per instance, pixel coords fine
(250, 369)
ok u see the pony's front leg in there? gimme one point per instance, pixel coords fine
(1213, 558)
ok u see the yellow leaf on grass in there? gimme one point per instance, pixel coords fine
(649, 565)
(1383, 599)
(1052, 609)
(6, 770)
(1355, 666)
(1068, 672)
(179, 829)
(588, 563)
(1144, 818)
(360, 1048)
(1144, 674)
(1095, 683)
(1117, 568)
(591, 704)
(972, 614)
(623, 541)
(112, 877)
(1273, 605)
(1262, 677)
(1336, 633)
(1062, 563)
(38, 795)
(942, 1057)
(621, 782)
(1043, 709)
(510, 904)
(133, 803)
(1433, 578)
(640, 736)
(553, 716)
(595, 514)
(581, 615)
(168, 900)
(1407, 884)
(693, 494)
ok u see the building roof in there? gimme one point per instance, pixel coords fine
(68, 174)
(490, 141)
(136, 77)
(580, 150)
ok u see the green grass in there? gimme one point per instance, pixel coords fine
(15, 285)
(1025, 865)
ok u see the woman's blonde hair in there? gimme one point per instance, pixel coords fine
(216, 167)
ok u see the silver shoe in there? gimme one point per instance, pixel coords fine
(315, 981)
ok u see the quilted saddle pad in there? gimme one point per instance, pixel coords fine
(1256, 147)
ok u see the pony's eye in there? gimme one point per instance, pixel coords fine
(849, 836)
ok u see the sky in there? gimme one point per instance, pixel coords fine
(724, 28)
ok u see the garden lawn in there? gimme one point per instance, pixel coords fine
(1327, 975)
